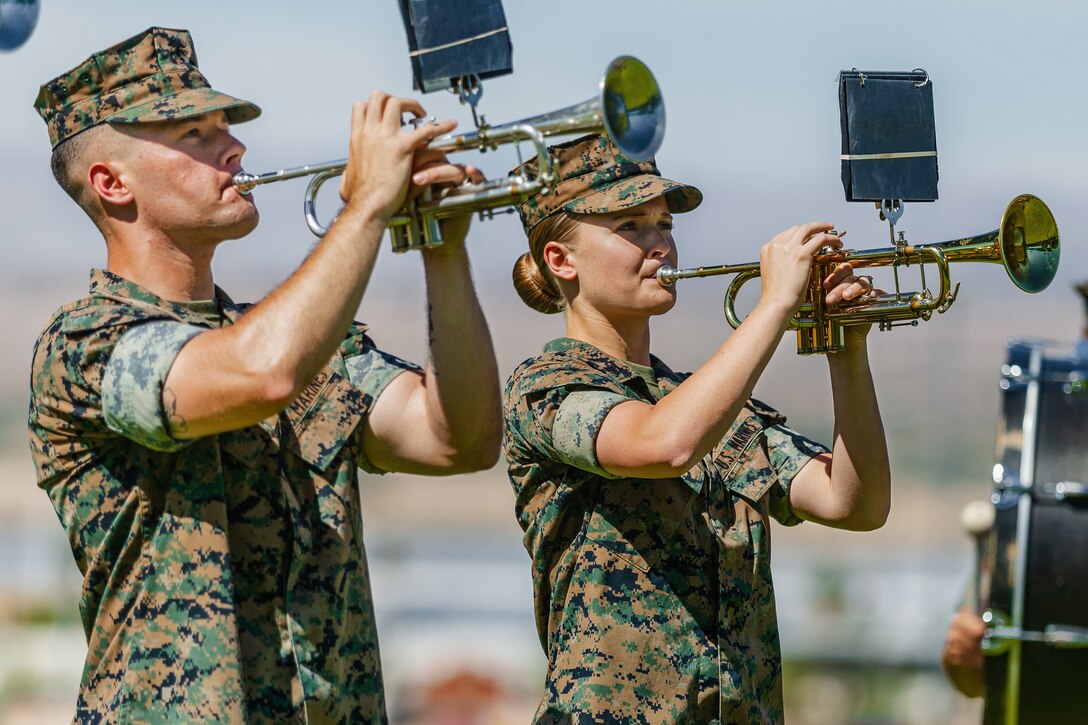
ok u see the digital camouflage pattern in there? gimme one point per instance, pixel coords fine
(654, 601)
(225, 581)
(131, 395)
(594, 177)
(152, 76)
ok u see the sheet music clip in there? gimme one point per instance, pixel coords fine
(469, 90)
(890, 211)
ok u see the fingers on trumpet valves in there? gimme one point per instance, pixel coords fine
(832, 244)
(416, 121)
(843, 285)
(859, 289)
(440, 172)
(475, 176)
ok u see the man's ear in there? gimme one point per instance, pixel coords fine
(557, 257)
(107, 182)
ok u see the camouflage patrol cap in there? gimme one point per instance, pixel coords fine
(150, 77)
(595, 177)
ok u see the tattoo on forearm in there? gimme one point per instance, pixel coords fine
(170, 404)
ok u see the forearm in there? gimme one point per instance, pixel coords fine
(302, 323)
(463, 400)
(860, 477)
(670, 437)
(236, 376)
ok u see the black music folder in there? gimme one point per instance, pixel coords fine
(453, 39)
(889, 145)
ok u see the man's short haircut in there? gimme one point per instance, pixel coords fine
(69, 166)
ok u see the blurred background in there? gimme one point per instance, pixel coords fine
(753, 121)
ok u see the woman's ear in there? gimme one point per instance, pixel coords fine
(106, 182)
(557, 258)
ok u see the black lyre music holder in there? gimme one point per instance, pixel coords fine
(889, 145)
(456, 44)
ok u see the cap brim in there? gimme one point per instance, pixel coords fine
(634, 190)
(188, 103)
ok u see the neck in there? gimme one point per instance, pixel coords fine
(625, 339)
(171, 271)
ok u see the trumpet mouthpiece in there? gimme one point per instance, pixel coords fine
(244, 182)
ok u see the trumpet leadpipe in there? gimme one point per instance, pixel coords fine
(667, 274)
(245, 182)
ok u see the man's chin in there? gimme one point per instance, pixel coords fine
(242, 227)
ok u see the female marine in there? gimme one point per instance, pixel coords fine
(646, 495)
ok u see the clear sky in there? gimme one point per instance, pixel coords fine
(752, 120)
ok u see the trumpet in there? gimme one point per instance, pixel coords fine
(628, 107)
(1026, 243)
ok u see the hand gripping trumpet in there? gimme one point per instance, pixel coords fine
(1026, 243)
(628, 107)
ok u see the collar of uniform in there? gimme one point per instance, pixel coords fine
(105, 283)
(619, 368)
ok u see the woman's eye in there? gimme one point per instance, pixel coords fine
(191, 133)
(628, 227)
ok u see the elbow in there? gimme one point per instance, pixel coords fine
(679, 464)
(275, 386)
(870, 522)
(881, 517)
(479, 453)
(870, 517)
(271, 374)
(661, 456)
(472, 459)
(678, 456)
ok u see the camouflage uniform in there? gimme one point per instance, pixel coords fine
(224, 577)
(654, 601)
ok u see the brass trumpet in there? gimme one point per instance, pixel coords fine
(628, 107)
(1026, 243)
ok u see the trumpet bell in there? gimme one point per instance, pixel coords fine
(1028, 238)
(632, 106)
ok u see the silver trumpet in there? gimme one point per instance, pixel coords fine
(628, 107)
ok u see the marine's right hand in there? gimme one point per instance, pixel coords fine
(381, 152)
(786, 260)
(962, 657)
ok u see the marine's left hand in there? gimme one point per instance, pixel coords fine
(845, 288)
(432, 169)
